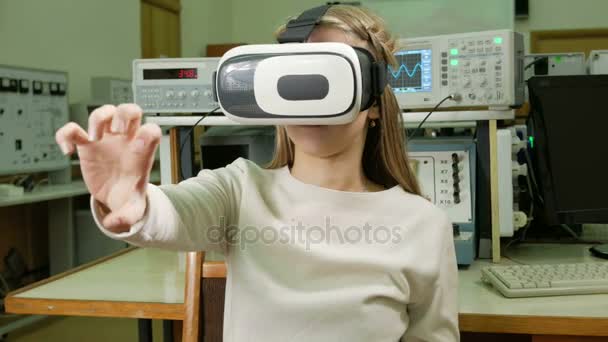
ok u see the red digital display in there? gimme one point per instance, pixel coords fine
(187, 73)
(170, 74)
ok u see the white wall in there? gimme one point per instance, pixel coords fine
(567, 14)
(416, 18)
(83, 37)
(101, 38)
(563, 15)
(255, 21)
(205, 22)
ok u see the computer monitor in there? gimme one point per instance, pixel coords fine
(568, 132)
(221, 145)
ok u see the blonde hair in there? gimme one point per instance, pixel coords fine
(385, 159)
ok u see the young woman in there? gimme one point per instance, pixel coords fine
(332, 242)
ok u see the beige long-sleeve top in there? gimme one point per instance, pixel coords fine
(307, 263)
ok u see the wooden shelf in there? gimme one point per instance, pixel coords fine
(46, 193)
(57, 191)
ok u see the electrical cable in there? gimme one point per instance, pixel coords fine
(185, 138)
(570, 231)
(533, 177)
(5, 289)
(39, 183)
(449, 97)
(531, 213)
(536, 61)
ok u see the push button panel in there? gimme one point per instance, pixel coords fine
(33, 106)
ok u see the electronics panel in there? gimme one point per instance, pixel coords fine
(555, 64)
(111, 90)
(484, 68)
(183, 85)
(445, 169)
(598, 62)
(33, 105)
(445, 178)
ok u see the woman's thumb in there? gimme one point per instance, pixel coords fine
(121, 220)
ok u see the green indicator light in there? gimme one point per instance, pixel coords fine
(531, 140)
(497, 40)
(454, 52)
(558, 59)
(454, 62)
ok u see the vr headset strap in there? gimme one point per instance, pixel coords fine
(298, 30)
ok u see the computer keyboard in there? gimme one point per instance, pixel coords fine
(548, 279)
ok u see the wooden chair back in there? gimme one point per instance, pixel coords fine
(204, 299)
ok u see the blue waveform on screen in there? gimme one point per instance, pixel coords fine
(403, 68)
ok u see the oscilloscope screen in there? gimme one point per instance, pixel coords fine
(414, 72)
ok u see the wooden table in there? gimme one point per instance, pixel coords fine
(140, 283)
(149, 283)
(562, 318)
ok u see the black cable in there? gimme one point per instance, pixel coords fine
(536, 61)
(185, 138)
(413, 135)
(532, 175)
(539, 196)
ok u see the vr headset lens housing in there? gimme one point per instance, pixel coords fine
(305, 83)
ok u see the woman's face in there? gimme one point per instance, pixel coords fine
(330, 140)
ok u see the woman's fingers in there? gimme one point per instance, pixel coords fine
(70, 135)
(127, 119)
(121, 220)
(146, 139)
(144, 146)
(99, 120)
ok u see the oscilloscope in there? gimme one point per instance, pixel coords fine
(484, 68)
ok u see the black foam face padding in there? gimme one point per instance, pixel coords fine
(365, 62)
(373, 77)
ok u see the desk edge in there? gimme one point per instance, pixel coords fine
(94, 308)
(535, 325)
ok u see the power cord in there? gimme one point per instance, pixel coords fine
(536, 61)
(455, 97)
(39, 183)
(4, 286)
(539, 196)
(181, 147)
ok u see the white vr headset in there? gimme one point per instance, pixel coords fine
(298, 84)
